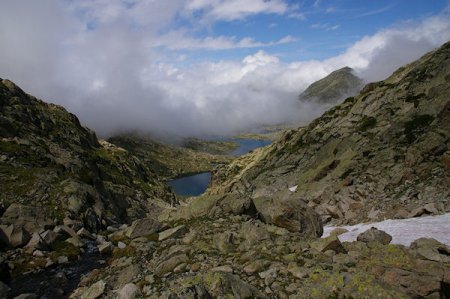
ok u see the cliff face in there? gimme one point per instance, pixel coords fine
(333, 88)
(52, 165)
(383, 153)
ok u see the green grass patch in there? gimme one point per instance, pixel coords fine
(416, 126)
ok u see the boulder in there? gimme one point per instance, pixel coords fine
(428, 209)
(414, 285)
(26, 296)
(330, 243)
(94, 291)
(43, 240)
(105, 248)
(255, 266)
(431, 249)
(197, 291)
(77, 242)
(144, 227)
(84, 233)
(224, 242)
(65, 232)
(374, 235)
(291, 213)
(128, 291)
(225, 268)
(35, 243)
(62, 259)
(254, 232)
(14, 236)
(296, 271)
(4, 289)
(73, 224)
(170, 264)
(175, 232)
(226, 285)
(49, 237)
(30, 218)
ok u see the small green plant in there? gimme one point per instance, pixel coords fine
(367, 123)
(416, 126)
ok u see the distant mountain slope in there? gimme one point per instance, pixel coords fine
(52, 165)
(169, 161)
(333, 88)
(381, 154)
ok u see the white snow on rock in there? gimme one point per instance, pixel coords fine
(403, 231)
(292, 189)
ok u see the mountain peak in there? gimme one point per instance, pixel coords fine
(338, 85)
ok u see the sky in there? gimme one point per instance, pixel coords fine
(198, 67)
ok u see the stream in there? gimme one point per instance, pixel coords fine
(58, 281)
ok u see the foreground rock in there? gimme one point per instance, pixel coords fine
(14, 236)
(237, 256)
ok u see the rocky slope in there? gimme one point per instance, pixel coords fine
(381, 154)
(54, 170)
(333, 88)
(242, 257)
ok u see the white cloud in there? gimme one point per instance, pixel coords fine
(120, 75)
(375, 11)
(236, 9)
(325, 26)
(178, 40)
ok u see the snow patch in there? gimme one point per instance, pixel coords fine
(403, 231)
(292, 189)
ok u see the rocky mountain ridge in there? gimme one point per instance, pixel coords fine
(54, 170)
(381, 154)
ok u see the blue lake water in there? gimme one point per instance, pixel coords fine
(192, 185)
(247, 145)
(195, 185)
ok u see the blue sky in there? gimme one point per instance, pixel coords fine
(319, 29)
(193, 67)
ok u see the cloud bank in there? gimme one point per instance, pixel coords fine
(119, 65)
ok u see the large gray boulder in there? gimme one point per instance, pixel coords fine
(94, 291)
(374, 235)
(128, 291)
(31, 218)
(291, 213)
(144, 227)
(431, 249)
(170, 264)
(14, 235)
